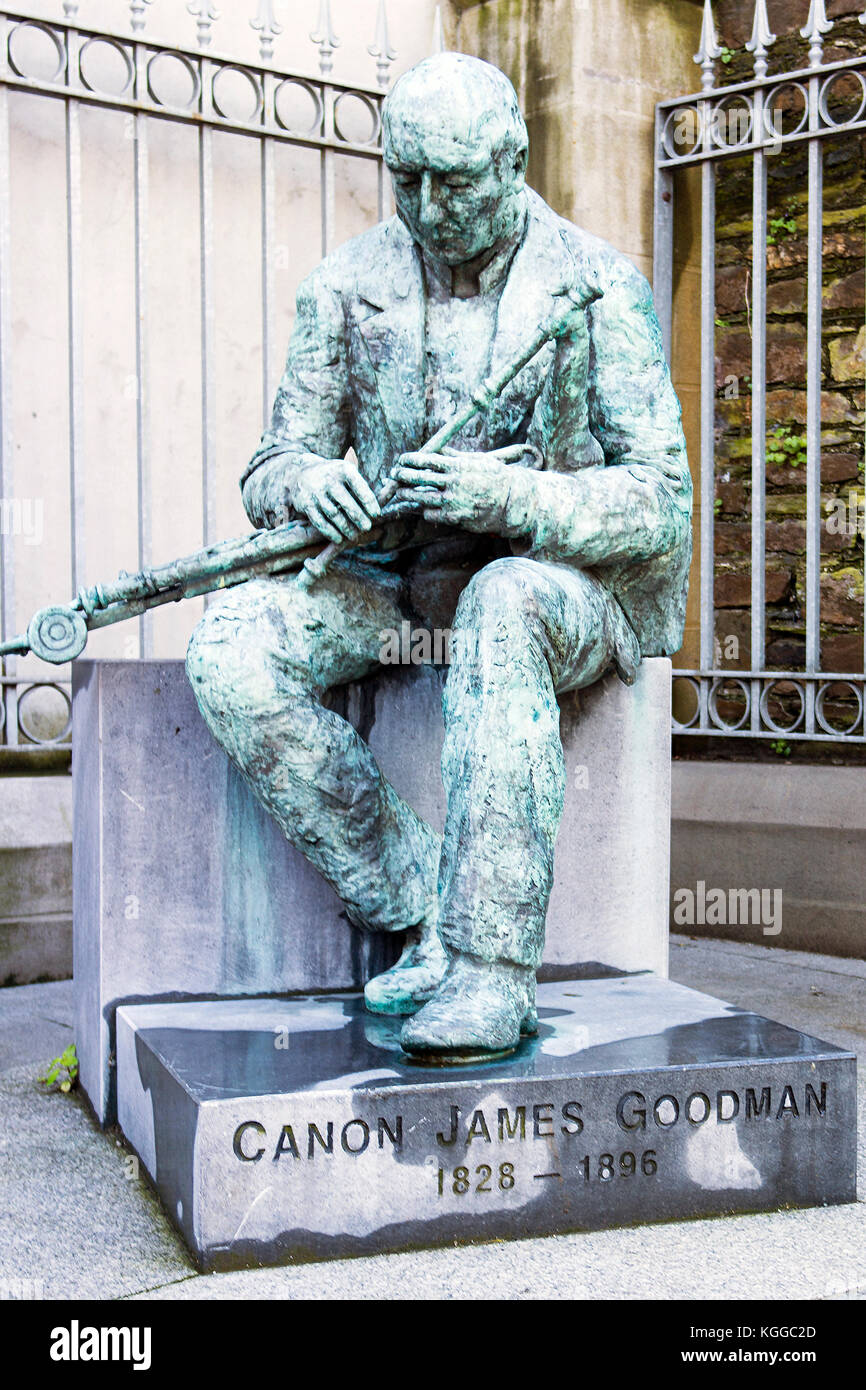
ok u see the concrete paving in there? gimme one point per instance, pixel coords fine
(78, 1221)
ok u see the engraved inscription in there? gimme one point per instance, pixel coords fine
(625, 1165)
(461, 1181)
(250, 1139)
(635, 1111)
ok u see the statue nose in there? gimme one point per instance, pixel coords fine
(430, 211)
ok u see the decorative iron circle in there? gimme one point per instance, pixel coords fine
(819, 709)
(182, 62)
(318, 109)
(712, 705)
(111, 46)
(827, 87)
(29, 733)
(251, 82)
(695, 685)
(721, 117)
(57, 635)
(372, 109)
(57, 42)
(769, 128)
(764, 706)
(689, 135)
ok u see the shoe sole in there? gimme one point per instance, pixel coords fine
(456, 1059)
(528, 1029)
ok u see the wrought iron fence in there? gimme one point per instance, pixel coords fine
(211, 93)
(759, 119)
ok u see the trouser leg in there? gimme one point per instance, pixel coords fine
(524, 631)
(259, 663)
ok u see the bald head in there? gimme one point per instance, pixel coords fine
(452, 109)
(456, 145)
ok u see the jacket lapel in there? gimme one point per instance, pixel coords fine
(542, 269)
(387, 337)
(388, 346)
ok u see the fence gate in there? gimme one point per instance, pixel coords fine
(767, 117)
(71, 72)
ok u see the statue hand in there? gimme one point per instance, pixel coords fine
(336, 499)
(458, 489)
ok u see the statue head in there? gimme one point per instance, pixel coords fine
(456, 146)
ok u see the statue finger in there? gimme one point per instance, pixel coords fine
(418, 477)
(358, 486)
(323, 523)
(411, 497)
(424, 462)
(435, 502)
(350, 508)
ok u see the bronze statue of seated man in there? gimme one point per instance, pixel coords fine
(558, 526)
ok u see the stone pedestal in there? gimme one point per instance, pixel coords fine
(296, 1129)
(185, 888)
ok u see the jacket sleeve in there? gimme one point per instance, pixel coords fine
(311, 414)
(637, 504)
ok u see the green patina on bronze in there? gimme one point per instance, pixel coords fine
(552, 534)
(559, 518)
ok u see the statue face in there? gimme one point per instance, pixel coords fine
(456, 205)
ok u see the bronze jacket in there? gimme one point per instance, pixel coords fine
(608, 487)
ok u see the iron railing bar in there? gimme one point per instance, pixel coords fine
(778, 79)
(267, 234)
(663, 248)
(328, 187)
(813, 400)
(759, 410)
(216, 122)
(142, 441)
(7, 571)
(708, 403)
(737, 674)
(788, 734)
(208, 331)
(74, 332)
(771, 143)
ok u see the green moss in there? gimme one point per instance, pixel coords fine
(786, 447)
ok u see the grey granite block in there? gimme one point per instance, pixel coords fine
(285, 1130)
(184, 886)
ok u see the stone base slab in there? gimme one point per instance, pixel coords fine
(280, 1130)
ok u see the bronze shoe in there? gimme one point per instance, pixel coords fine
(479, 1012)
(414, 978)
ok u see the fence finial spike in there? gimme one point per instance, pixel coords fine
(266, 24)
(438, 42)
(709, 50)
(381, 49)
(324, 38)
(137, 13)
(761, 39)
(817, 25)
(205, 13)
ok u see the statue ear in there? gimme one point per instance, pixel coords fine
(519, 166)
